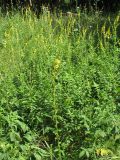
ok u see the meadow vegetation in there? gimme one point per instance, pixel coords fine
(59, 86)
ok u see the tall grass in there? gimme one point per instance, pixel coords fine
(59, 86)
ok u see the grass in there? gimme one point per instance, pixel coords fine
(59, 86)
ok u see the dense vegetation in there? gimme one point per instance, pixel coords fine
(59, 86)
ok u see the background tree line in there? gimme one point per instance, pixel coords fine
(106, 5)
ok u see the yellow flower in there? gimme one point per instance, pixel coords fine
(116, 20)
(103, 29)
(108, 33)
(103, 152)
(56, 64)
(98, 151)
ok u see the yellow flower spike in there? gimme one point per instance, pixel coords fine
(103, 29)
(6, 35)
(101, 45)
(116, 20)
(108, 33)
(98, 151)
(57, 63)
(103, 152)
(84, 31)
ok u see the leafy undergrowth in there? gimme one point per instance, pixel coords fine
(59, 87)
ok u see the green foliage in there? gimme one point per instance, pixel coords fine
(59, 87)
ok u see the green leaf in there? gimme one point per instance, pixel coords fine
(21, 158)
(23, 126)
(100, 133)
(82, 154)
(37, 156)
(28, 137)
(14, 136)
(117, 137)
(2, 156)
(87, 154)
(67, 1)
